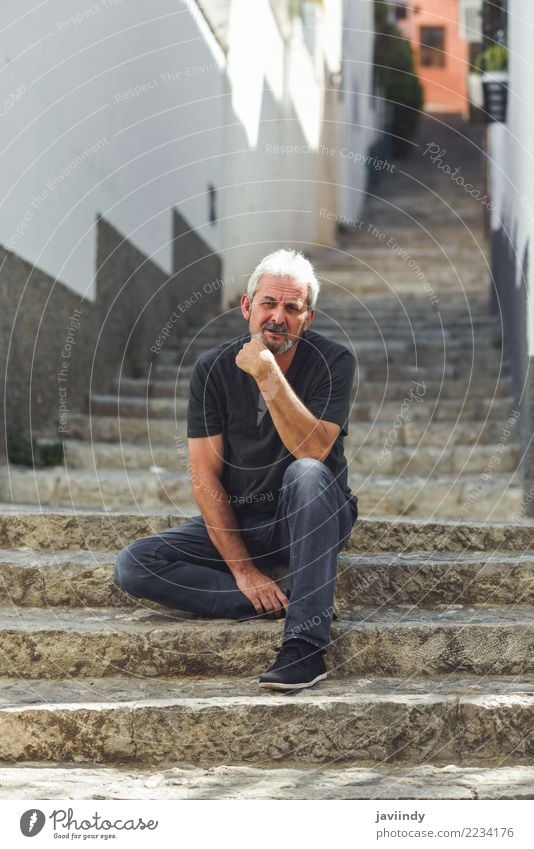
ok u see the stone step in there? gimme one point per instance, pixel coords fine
(61, 530)
(446, 497)
(376, 782)
(332, 301)
(369, 330)
(98, 642)
(434, 580)
(427, 460)
(373, 457)
(443, 497)
(107, 489)
(374, 351)
(468, 281)
(379, 358)
(351, 722)
(403, 350)
(157, 432)
(365, 286)
(362, 337)
(36, 578)
(387, 389)
(470, 310)
(390, 371)
(365, 410)
(357, 253)
(365, 334)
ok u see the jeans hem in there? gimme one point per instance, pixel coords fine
(310, 640)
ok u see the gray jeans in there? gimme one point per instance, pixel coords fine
(182, 569)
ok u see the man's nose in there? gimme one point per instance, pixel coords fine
(278, 314)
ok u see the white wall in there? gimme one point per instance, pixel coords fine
(155, 149)
(511, 148)
(144, 96)
(271, 166)
(362, 115)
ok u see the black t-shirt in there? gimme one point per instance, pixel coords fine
(225, 399)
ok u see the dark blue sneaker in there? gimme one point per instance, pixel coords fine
(299, 664)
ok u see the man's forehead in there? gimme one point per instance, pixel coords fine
(282, 287)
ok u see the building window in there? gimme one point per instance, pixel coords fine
(432, 53)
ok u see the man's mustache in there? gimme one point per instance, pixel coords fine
(276, 328)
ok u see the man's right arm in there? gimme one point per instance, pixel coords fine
(206, 457)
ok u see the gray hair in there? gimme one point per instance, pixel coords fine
(286, 263)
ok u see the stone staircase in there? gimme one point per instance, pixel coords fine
(432, 425)
(430, 692)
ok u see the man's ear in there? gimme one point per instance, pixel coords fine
(245, 305)
(309, 318)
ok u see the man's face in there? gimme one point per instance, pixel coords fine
(278, 312)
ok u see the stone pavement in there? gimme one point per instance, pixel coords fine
(433, 429)
(431, 680)
(430, 691)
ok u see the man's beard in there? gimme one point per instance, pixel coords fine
(277, 347)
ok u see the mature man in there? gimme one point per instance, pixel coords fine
(267, 416)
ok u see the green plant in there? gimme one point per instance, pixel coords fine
(494, 58)
(398, 79)
(23, 451)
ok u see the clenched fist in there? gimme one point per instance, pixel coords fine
(255, 358)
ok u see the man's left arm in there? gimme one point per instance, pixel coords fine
(303, 434)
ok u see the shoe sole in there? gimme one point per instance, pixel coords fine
(276, 685)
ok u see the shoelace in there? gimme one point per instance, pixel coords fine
(288, 654)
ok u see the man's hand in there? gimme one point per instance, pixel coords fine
(255, 358)
(261, 591)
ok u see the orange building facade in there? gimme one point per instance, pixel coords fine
(441, 52)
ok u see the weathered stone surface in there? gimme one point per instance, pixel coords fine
(441, 498)
(104, 489)
(123, 455)
(66, 529)
(481, 370)
(85, 579)
(406, 462)
(155, 432)
(245, 782)
(366, 408)
(19, 692)
(157, 408)
(314, 727)
(407, 535)
(375, 351)
(138, 430)
(76, 529)
(435, 579)
(400, 459)
(386, 387)
(100, 642)
(437, 498)
(440, 605)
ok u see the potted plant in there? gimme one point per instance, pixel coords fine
(493, 64)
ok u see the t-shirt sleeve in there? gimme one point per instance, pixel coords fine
(204, 413)
(330, 397)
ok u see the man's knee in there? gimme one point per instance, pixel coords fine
(129, 568)
(307, 473)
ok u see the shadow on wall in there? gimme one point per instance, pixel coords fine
(56, 348)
